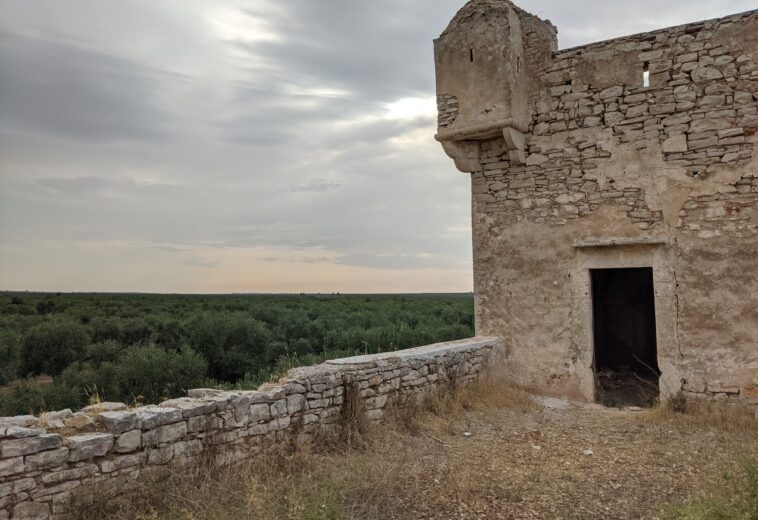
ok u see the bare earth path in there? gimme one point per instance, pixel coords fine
(580, 462)
(483, 453)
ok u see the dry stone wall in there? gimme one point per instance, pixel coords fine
(105, 447)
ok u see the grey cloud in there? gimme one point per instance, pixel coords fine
(402, 261)
(315, 186)
(92, 186)
(141, 122)
(199, 262)
(77, 93)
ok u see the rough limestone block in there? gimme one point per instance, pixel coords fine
(57, 489)
(29, 445)
(60, 415)
(295, 403)
(294, 388)
(281, 423)
(191, 407)
(19, 432)
(536, 159)
(705, 125)
(11, 466)
(46, 459)
(259, 413)
(706, 74)
(279, 408)
(707, 142)
(220, 401)
(675, 144)
(260, 429)
(128, 441)
(241, 406)
(197, 393)
(260, 397)
(57, 419)
(637, 111)
(730, 157)
(377, 402)
(31, 511)
(88, 445)
(97, 408)
(16, 487)
(79, 420)
(203, 423)
(128, 461)
(77, 473)
(119, 422)
(154, 416)
(160, 456)
(106, 466)
(19, 420)
(163, 434)
(611, 92)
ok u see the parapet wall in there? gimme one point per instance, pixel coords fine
(45, 460)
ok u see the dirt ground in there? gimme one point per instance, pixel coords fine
(565, 461)
(487, 452)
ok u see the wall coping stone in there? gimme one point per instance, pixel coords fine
(423, 352)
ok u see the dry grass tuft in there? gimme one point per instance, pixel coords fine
(723, 416)
(440, 410)
(353, 423)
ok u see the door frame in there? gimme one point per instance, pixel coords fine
(624, 256)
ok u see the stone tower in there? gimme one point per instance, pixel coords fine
(614, 199)
(486, 61)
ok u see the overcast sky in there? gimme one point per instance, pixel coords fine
(244, 146)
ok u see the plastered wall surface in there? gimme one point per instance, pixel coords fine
(45, 460)
(615, 173)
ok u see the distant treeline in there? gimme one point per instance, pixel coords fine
(63, 350)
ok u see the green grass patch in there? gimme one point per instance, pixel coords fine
(737, 499)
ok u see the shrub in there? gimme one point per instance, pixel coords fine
(51, 346)
(232, 344)
(32, 397)
(9, 354)
(135, 331)
(104, 329)
(154, 374)
(107, 351)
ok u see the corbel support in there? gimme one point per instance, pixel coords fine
(466, 155)
(516, 142)
(463, 146)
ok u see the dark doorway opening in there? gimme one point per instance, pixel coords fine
(626, 358)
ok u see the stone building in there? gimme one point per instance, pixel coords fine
(614, 191)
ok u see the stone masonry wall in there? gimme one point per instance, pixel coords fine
(447, 108)
(698, 119)
(105, 447)
(662, 175)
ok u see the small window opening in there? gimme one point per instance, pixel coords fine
(471, 55)
(518, 65)
(646, 75)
